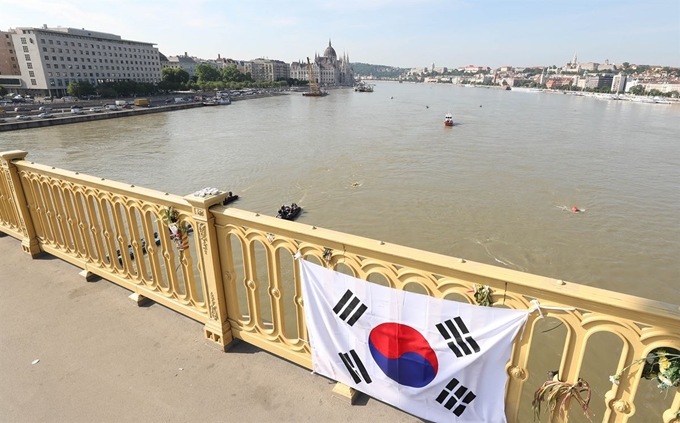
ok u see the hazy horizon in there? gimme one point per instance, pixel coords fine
(400, 33)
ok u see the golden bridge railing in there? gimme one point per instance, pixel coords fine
(239, 277)
(118, 232)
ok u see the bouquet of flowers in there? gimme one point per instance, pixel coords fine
(662, 364)
(178, 229)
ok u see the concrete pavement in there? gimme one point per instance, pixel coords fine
(103, 359)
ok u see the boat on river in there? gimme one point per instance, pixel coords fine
(289, 212)
(448, 120)
(230, 198)
(363, 88)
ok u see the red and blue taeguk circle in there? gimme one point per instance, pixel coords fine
(403, 354)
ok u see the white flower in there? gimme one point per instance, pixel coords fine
(665, 382)
(614, 379)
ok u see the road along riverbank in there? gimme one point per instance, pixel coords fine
(62, 115)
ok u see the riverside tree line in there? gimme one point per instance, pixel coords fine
(206, 78)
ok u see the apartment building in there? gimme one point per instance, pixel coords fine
(185, 62)
(9, 65)
(267, 70)
(50, 58)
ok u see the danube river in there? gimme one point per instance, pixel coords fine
(496, 188)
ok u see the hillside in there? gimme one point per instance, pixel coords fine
(377, 71)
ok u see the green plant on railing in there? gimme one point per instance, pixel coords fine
(662, 364)
(482, 294)
(178, 229)
(559, 395)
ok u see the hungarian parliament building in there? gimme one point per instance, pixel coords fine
(328, 69)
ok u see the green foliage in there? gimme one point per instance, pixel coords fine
(637, 90)
(533, 71)
(3, 91)
(78, 89)
(175, 75)
(106, 91)
(378, 71)
(206, 73)
(73, 89)
(232, 74)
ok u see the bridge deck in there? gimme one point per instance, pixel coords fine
(102, 358)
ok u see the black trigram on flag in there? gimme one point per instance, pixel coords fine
(460, 398)
(355, 367)
(351, 313)
(453, 331)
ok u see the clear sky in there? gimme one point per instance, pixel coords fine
(405, 33)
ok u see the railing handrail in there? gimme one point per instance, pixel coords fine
(120, 188)
(641, 310)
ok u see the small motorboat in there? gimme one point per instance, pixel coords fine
(230, 198)
(448, 120)
(289, 212)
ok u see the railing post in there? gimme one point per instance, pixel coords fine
(29, 243)
(218, 329)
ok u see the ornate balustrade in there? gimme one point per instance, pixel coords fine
(239, 277)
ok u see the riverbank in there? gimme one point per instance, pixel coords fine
(61, 111)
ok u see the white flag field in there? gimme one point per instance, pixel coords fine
(440, 360)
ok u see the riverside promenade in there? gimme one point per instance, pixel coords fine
(104, 359)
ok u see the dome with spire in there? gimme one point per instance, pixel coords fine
(330, 51)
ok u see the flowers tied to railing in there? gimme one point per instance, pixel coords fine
(559, 395)
(661, 364)
(178, 229)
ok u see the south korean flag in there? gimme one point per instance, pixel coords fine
(440, 360)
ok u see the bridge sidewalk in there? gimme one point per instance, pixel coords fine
(104, 359)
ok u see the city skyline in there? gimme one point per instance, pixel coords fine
(404, 33)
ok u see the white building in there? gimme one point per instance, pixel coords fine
(328, 69)
(51, 58)
(619, 83)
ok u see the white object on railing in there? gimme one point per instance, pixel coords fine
(206, 192)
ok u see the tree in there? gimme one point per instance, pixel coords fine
(206, 73)
(3, 91)
(637, 90)
(232, 74)
(73, 89)
(175, 75)
(625, 65)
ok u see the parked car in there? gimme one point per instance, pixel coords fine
(44, 109)
(45, 115)
(111, 107)
(49, 97)
(96, 109)
(77, 111)
(21, 109)
(23, 117)
(2, 121)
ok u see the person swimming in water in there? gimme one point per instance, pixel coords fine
(575, 209)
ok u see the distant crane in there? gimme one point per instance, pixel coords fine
(314, 90)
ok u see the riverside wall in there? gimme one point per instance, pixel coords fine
(36, 122)
(39, 123)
